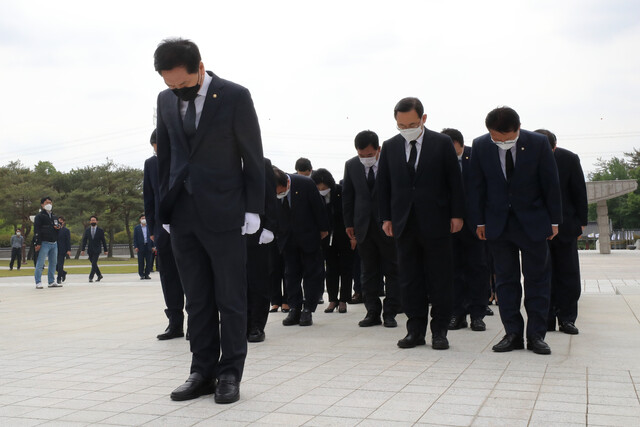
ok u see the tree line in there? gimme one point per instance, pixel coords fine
(111, 192)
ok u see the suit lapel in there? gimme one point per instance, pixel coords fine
(211, 105)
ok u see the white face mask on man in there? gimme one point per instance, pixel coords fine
(48, 207)
(368, 162)
(506, 145)
(411, 134)
(282, 195)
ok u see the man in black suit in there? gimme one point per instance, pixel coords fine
(211, 176)
(421, 204)
(143, 246)
(302, 224)
(471, 273)
(64, 249)
(362, 222)
(515, 205)
(94, 237)
(259, 249)
(169, 277)
(565, 266)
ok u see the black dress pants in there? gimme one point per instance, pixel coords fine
(95, 270)
(471, 274)
(302, 263)
(16, 254)
(145, 260)
(258, 280)
(565, 280)
(169, 278)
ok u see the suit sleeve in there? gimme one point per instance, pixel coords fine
(270, 217)
(476, 193)
(454, 181)
(135, 237)
(550, 183)
(164, 159)
(247, 132)
(85, 237)
(149, 197)
(104, 241)
(384, 185)
(348, 197)
(579, 191)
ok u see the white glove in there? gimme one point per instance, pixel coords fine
(265, 237)
(167, 227)
(251, 223)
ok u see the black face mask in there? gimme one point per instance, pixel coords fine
(93, 224)
(188, 93)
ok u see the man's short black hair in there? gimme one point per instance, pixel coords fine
(141, 215)
(323, 176)
(303, 164)
(93, 216)
(172, 53)
(365, 139)
(454, 134)
(45, 198)
(154, 137)
(61, 218)
(503, 120)
(408, 104)
(552, 138)
(281, 177)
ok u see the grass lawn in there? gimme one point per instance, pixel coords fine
(123, 265)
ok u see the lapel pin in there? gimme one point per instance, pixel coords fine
(522, 148)
(297, 192)
(215, 95)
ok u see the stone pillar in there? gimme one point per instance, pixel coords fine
(603, 227)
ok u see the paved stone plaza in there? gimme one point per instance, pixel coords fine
(86, 354)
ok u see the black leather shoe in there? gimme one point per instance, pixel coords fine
(488, 311)
(147, 277)
(508, 343)
(457, 322)
(255, 335)
(569, 328)
(389, 321)
(195, 386)
(439, 342)
(227, 390)
(371, 319)
(293, 318)
(538, 346)
(59, 280)
(64, 276)
(99, 278)
(170, 333)
(478, 325)
(90, 280)
(411, 340)
(305, 318)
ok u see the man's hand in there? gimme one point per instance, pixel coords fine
(387, 228)
(251, 223)
(554, 229)
(136, 250)
(266, 237)
(153, 238)
(353, 243)
(480, 232)
(456, 224)
(37, 248)
(350, 232)
(106, 252)
(82, 253)
(323, 234)
(68, 253)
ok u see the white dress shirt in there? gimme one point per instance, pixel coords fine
(407, 149)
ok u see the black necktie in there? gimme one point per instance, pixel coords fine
(508, 164)
(413, 155)
(189, 122)
(371, 178)
(285, 205)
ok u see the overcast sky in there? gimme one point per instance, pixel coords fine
(79, 85)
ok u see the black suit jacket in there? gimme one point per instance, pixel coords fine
(269, 219)
(151, 193)
(436, 193)
(307, 216)
(574, 194)
(221, 165)
(64, 240)
(94, 243)
(359, 204)
(337, 234)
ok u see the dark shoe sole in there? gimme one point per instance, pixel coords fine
(441, 346)
(570, 332)
(507, 349)
(163, 337)
(364, 324)
(203, 392)
(537, 350)
(412, 345)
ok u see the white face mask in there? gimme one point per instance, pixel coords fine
(325, 192)
(368, 161)
(411, 134)
(18, 233)
(506, 145)
(282, 195)
(48, 207)
(143, 222)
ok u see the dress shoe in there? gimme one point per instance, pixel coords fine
(285, 308)
(331, 307)
(411, 340)
(342, 307)
(488, 311)
(59, 280)
(457, 322)
(99, 278)
(356, 298)
(568, 328)
(371, 319)
(389, 321)
(293, 318)
(171, 332)
(538, 346)
(478, 325)
(255, 335)
(195, 386)
(147, 277)
(64, 276)
(90, 280)
(508, 343)
(227, 390)
(274, 308)
(141, 277)
(439, 342)
(305, 318)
